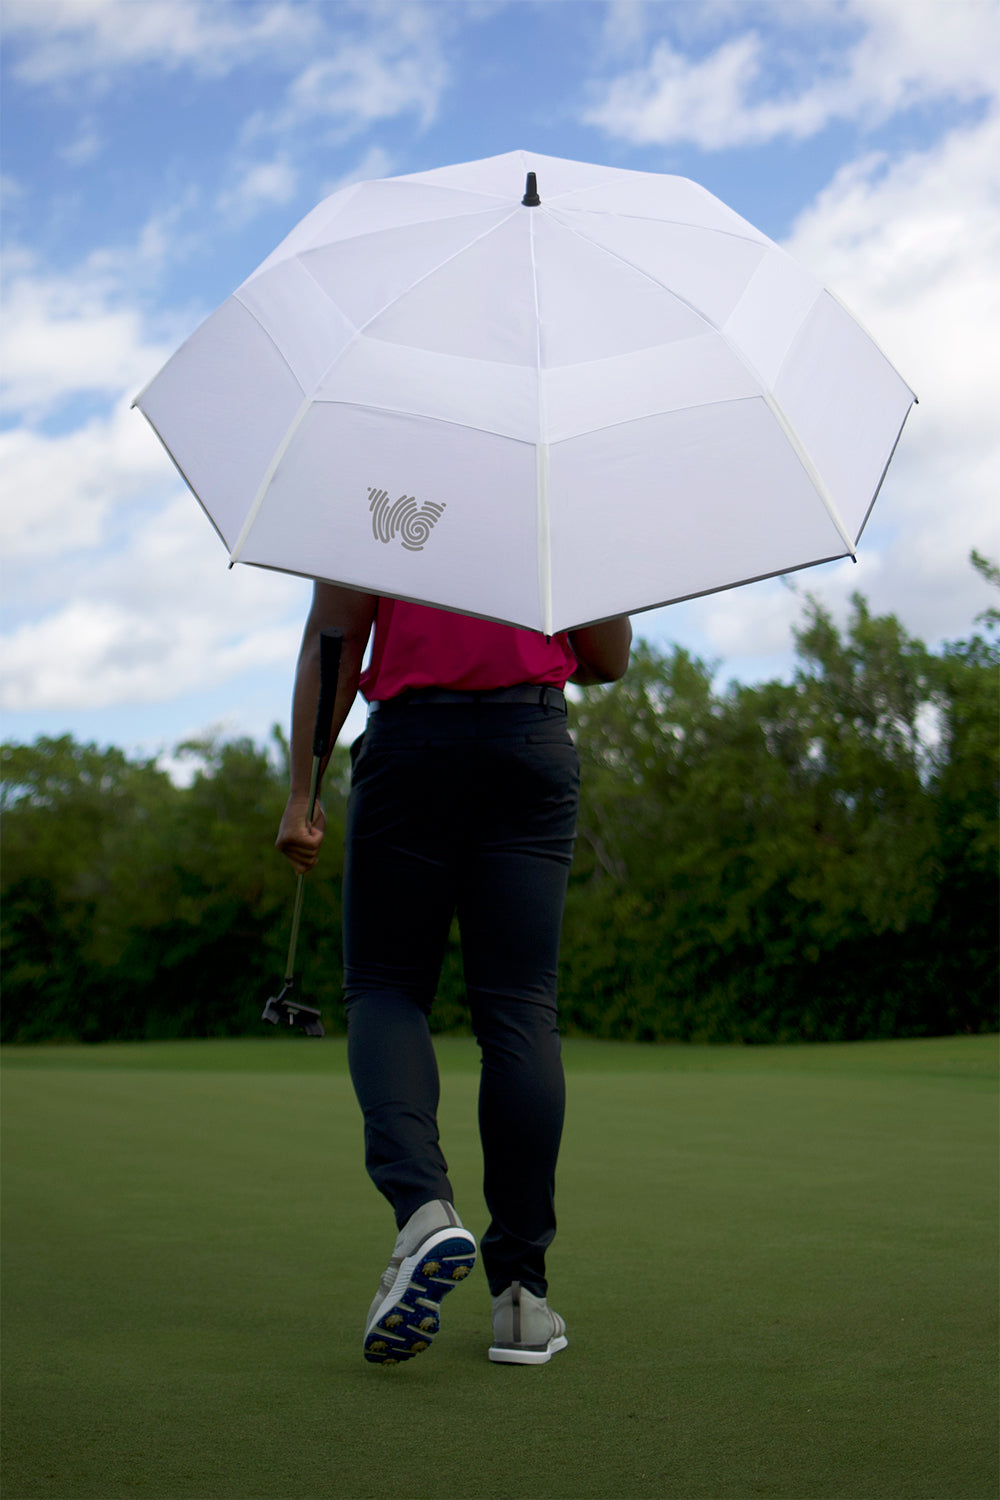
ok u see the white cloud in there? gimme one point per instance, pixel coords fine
(95, 654)
(365, 61)
(332, 71)
(261, 185)
(159, 619)
(375, 163)
(86, 145)
(118, 582)
(11, 190)
(673, 98)
(84, 329)
(62, 336)
(907, 52)
(60, 39)
(391, 71)
(62, 491)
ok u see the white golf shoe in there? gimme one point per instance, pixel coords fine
(525, 1329)
(432, 1254)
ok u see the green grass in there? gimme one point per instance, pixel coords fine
(778, 1267)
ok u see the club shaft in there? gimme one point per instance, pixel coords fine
(300, 882)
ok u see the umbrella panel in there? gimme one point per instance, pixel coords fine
(685, 503)
(367, 275)
(222, 429)
(478, 554)
(846, 405)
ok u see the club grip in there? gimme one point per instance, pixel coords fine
(330, 644)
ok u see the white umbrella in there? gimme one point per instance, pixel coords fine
(543, 406)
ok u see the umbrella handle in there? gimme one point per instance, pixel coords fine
(331, 643)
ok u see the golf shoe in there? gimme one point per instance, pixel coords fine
(432, 1254)
(525, 1329)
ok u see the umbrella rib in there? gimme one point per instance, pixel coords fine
(452, 187)
(899, 434)
(656, 281)
(176, 463)
(871, 339)
(732, 234)
(557, 201)
(269, 474)
(816, 479)
(543, 510)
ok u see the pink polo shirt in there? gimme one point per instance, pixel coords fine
(416, 646)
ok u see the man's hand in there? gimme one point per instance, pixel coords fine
(298, 839)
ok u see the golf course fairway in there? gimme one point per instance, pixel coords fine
(777, 1266)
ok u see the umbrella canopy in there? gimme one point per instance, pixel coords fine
(544, 400)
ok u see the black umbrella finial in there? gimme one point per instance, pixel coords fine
(531, 198)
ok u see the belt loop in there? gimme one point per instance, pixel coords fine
(544, 698)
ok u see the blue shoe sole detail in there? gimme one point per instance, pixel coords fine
(408, 1325)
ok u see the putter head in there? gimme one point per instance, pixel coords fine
(282, 1011)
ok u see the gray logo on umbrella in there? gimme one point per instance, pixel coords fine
(404, 518)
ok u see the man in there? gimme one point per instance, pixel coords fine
(463, 799)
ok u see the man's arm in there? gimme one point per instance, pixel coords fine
(601, 651)
(353, 613)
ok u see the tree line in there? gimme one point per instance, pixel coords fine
(788, 861)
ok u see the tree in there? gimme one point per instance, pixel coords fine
(69, 812)
(135, 908)
(813, 859)
(966, 784)
(783, 861)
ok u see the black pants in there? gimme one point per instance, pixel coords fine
(467, 808)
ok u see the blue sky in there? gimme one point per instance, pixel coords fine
(156, 150)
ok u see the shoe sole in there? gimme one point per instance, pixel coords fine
(527, 1354)
(408, 1319)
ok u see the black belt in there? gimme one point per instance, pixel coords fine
(529, 692)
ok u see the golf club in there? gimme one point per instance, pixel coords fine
(281, 1009)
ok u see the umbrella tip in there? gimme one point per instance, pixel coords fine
(531, 198)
